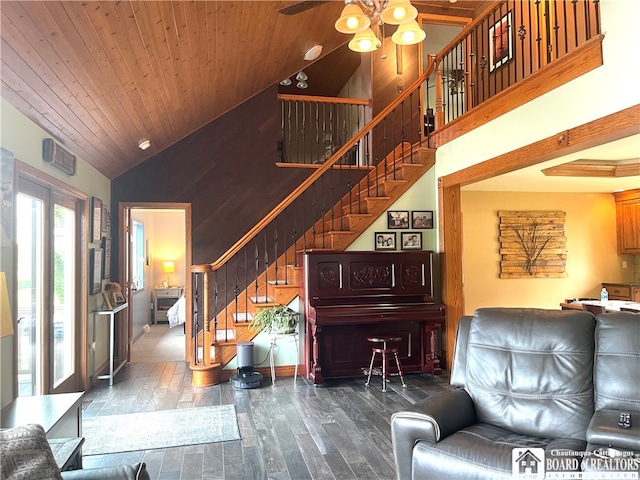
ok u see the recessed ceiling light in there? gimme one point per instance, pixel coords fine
(144, 144)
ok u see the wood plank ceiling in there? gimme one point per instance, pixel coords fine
(100, 76)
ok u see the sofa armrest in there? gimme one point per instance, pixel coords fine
(604, 430)
(117, 472)
(431, 420)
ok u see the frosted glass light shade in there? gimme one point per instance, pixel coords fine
(408, 34)
(398, 12)
(365, 41)
(352, 20)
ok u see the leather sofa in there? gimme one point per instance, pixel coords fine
(533, 389)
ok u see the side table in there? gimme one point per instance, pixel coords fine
(111, 314)
(289, 337)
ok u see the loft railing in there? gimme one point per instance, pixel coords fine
(311, 216)
(509, 43)
(314, 128)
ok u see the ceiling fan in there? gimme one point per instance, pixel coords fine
(302, 6)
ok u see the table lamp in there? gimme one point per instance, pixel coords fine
(168, 267)
(6, 322)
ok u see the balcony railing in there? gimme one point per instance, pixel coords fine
(503, 47)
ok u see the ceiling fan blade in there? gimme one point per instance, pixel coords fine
(301, 7)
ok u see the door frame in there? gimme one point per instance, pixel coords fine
(81, 344)
(603, 130)
(124, 219)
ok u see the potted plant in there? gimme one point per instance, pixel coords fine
(280, 319)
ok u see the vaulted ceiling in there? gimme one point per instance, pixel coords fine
(100, 76)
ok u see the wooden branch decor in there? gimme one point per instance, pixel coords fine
(532, 245)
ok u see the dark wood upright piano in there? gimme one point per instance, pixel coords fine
(348, 296)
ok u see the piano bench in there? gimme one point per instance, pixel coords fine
(386, 352)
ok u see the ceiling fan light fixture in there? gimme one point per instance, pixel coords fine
(286, 82)
(301, 76)
(144, 144)
(352, 20)
(302, 84)
(398, 12)
(365, 41)
(408, 33)
(313, 53)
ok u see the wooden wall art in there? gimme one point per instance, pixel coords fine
(532, 244)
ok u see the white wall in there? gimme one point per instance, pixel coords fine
(23, 138)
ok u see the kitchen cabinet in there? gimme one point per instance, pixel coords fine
(629, 292)
(628, 221)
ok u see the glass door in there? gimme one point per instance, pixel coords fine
(30, 239)
(47, 268)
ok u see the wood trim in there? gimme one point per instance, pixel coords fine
(450, 236)
(612, 127)
(313, 98)
(615, 126)
(583, 59)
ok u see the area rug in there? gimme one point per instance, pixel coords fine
(161, 429)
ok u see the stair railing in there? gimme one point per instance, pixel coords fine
(312, 128)
(313, 215)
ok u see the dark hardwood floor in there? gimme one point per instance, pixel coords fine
(337, 431)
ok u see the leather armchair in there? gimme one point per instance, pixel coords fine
(522, 377)
(617, 389)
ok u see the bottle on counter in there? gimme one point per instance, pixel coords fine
(604, 297)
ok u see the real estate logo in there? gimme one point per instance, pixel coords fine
(527, 463)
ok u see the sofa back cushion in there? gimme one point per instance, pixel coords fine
(617, 362)
(531, 370)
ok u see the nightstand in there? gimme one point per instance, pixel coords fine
(163, 300)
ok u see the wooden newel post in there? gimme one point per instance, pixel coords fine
(205, 373)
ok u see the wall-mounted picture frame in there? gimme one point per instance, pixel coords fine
(500, 42)
(411, 240)
(106, 267)
(96, 219)
(421, 219)
(385, 240)
(397, 219)
(95, 270)
(104, 220)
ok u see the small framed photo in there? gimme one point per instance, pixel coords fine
(96, 219)
(385, 240)
(500, 43)
(411, 240)
(104, 219)
(421, 219)
(397, 219)
(95, 260)
(106, 247)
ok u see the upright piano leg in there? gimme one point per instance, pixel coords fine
(432, 362)
(315, 375)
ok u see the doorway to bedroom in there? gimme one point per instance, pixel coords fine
(157, 259)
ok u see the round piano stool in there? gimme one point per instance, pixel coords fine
(385, 351)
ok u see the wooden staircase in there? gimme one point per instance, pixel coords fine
(371, 197)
